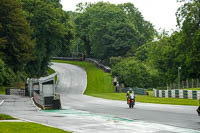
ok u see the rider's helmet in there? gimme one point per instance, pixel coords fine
(130, 90)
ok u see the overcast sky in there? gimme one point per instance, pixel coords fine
(161, 13)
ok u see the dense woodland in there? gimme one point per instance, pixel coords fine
(33, 31)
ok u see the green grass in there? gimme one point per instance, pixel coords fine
(100, 85)
(51, 71)
(27, 127)
(192, 89)
(6, 117)
(2, 90)
(148, 99)
(150, 93)
(98, 80)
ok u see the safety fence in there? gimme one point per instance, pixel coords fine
(98, 64)
(187, 94)
(189, 83)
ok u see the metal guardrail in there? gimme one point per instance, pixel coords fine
(98, 64)
(66, 58)
(15, 91)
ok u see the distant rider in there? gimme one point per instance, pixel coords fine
(128, 94)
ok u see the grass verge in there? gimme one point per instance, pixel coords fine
(27, 127)
(192, 89)
(97, 80)
(100, 85)
(2, 90)
(51, 71)
(6, 117)
(24, 127)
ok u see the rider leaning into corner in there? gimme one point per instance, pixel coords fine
(128, 94)
(198, 110)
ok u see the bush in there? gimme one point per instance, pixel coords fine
(133, 73)
(6, 74)
(2, 72)
(8, 77)
(115, 60)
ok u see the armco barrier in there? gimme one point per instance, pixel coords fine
(187, 94)
(98, 64)
(15, 91)
(66, 58)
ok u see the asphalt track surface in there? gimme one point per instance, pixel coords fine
(83, 113)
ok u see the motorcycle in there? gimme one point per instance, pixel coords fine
(198, 109)
(131, 101)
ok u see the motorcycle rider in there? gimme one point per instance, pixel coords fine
(198, 109)
(128, 94)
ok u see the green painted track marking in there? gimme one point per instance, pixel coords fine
(126, 123)
(85, 113)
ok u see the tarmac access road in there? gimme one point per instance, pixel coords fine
(83, 113)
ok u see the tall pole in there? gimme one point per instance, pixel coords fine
(77, 50)
(179, 68)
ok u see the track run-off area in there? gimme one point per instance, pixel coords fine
(81, 113)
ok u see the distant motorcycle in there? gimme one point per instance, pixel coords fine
(131, 101)
(198, 109)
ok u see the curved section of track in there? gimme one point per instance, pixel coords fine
(179, 116)
(83, 113)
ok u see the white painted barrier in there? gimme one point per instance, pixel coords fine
(198, 95)
(180, 93)
(166, 93)
(173, 94)
(189, 94)
(154, 92)
(160, 93)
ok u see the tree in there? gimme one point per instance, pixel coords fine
(64, 48)
(188, 19)
(143, 27)
(50, 29)
(166, 53)
(16, 43)
(107, 30)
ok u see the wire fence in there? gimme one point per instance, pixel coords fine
(189, 83)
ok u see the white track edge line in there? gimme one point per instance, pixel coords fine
(2, 102)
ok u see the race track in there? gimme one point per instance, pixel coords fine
(83, 113)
